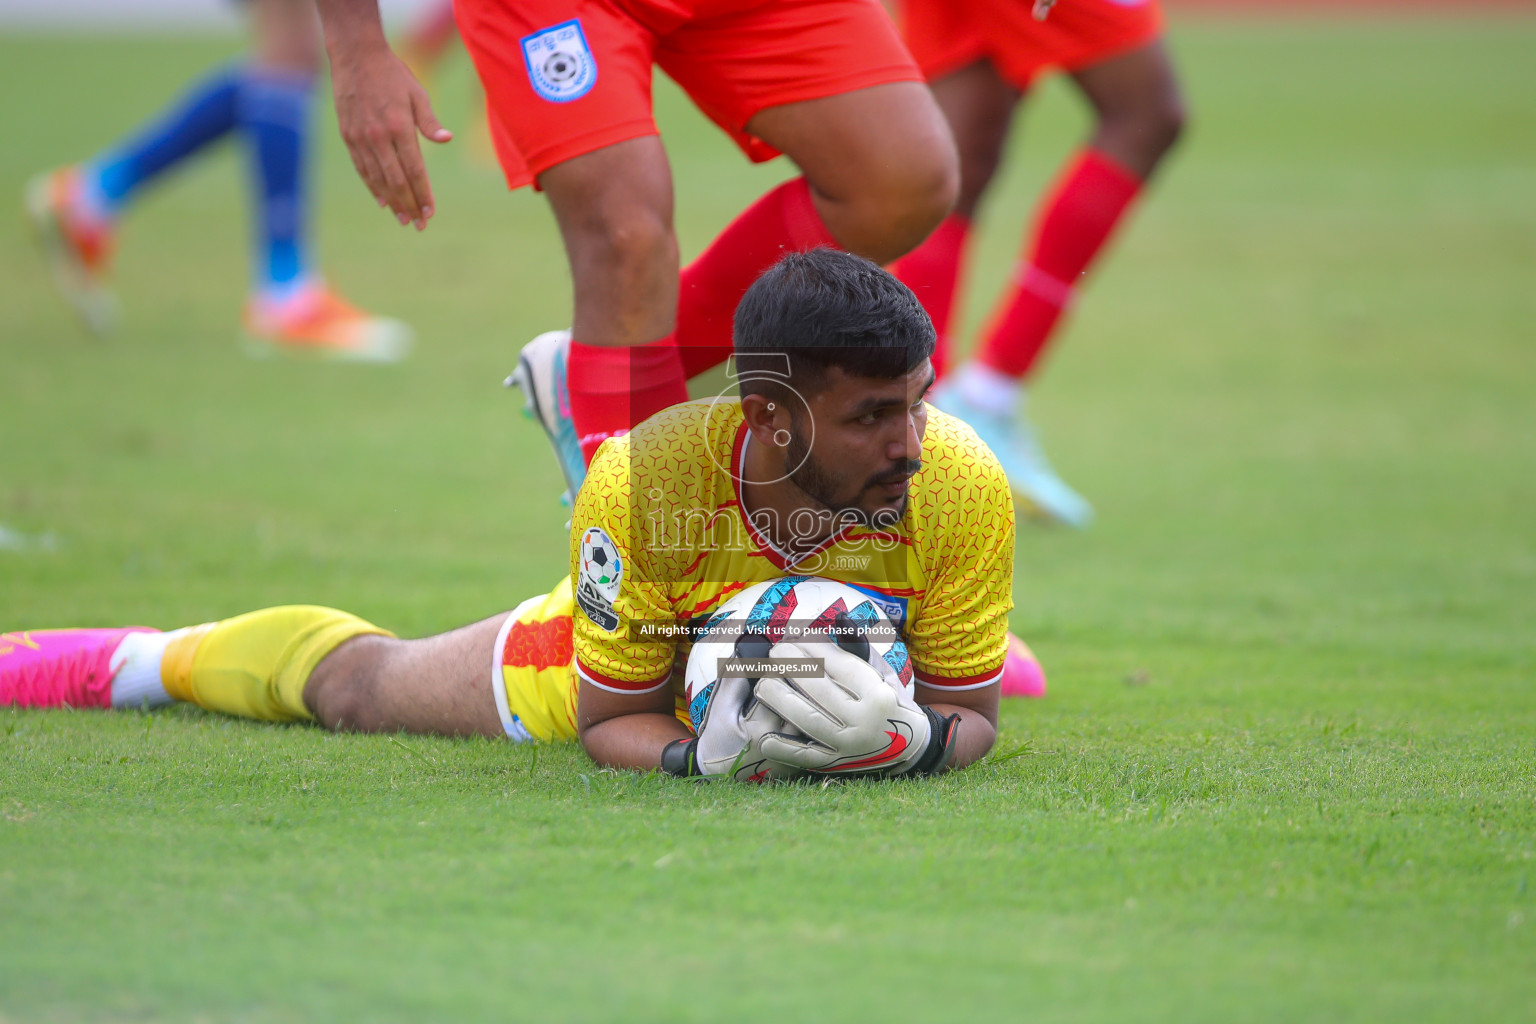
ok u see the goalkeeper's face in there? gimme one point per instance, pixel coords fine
(862, 443)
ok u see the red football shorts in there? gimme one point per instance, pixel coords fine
(947, 35)
(566, 77)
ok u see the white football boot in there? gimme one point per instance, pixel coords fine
(540, 376)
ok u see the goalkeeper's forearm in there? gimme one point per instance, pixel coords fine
(621, 730)
(632, 741)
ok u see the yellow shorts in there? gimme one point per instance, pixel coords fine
(533, 674)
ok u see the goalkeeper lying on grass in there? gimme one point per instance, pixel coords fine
(830, 464)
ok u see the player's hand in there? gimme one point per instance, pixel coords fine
(380, 107)
(853, 721)
(732, 732)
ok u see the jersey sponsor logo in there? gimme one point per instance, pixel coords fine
(599, 577)
(561, 67)
(895, 608)
(596, 607)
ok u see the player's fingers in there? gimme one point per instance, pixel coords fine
(367, 169)
(727, 702)
(855, 675)
(792, 704)
(426, 121)
(758, 719)
(415, 169)
(794, 751)
(429, 126)
(402, 199)
(835, 661)
(366, 145)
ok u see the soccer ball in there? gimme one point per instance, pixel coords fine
(806, 610)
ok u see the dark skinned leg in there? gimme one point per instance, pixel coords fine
(614, 209)
(880, 163)
(1139, 108)
(978, 105)
(437, 685)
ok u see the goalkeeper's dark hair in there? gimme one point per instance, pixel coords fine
(822, 308)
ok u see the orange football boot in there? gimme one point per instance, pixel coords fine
(79, 251)
(318, 323)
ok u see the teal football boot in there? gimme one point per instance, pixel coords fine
(540, 376)
(1030, 475)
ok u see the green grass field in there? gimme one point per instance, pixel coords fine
(1287, 768)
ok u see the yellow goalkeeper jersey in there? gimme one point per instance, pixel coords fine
(659, 538)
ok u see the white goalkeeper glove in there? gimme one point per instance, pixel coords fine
(730, 738)
(853, 721)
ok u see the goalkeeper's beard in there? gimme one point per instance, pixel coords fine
(822, 487)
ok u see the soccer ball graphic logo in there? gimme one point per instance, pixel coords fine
(600, 562)
(561, 67)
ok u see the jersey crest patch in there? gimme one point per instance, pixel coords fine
(561, 67)
(599, 577)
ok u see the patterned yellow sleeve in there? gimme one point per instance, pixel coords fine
(960, 637)
(616, 582)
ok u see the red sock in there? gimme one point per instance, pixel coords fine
(613, 387)
(932, 271)
(1074, 224)
(784, 220)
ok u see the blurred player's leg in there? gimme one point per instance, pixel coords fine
(76, 209)
(1139, 116)
(428, 39)
(1112, 50)
(879, 174)
(779, 76)
(978, 104)
(291, 309)
(268, 100)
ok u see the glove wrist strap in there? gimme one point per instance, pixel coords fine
(943, 732)
(680, 758)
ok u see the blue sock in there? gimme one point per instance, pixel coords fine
(203, 115)
(274, 115)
